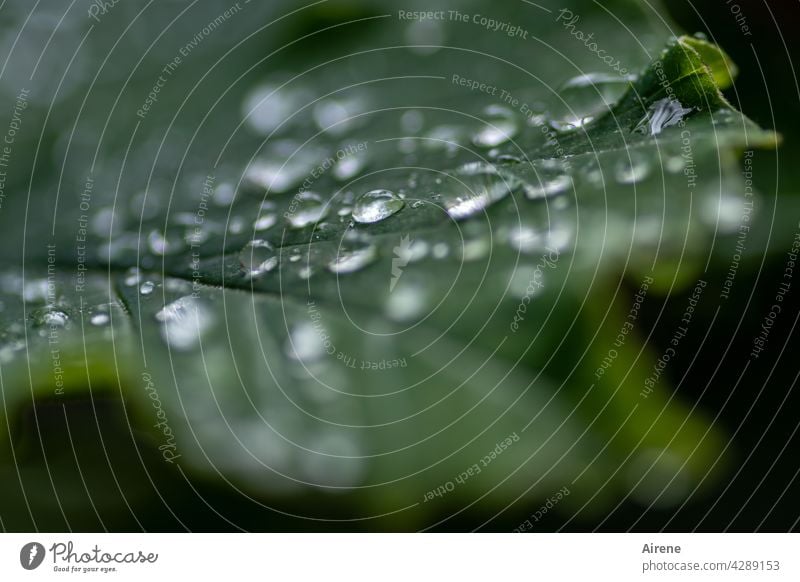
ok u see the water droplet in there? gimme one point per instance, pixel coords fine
(307, 208)
(161, 245)
(184, 322)
(305, 344)
(224, 194)
(338, 116)
(54, 318)
(444, 137)
(344, 211)
(376, 205)
(524, 239)
(417, 250)
(476, 248)
(237, 225)
(36, 290)
(132, 277)
(473, 188)
(548, 180)
(662, 114)
(501, 126)
(560, 237)
(633, 170)
(440, 251)
(724, 211)
(406, 302)
(584, 97)
(352, 260)
(412, 121)
(675, 164)
(424, 37)
(147, 288)
(265, 221)
(268, 106)
(100, 319)
(258, 257)
(349, 167)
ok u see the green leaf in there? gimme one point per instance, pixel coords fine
(453, 356)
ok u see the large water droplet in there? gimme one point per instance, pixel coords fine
(258, 257)
(376, 205)
(307, 208)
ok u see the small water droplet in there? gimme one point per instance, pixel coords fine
(338, 116)
(349, 167)
(352, 260)
(224, 194)
(440, 251)
(584, 97)
(424, 37)
(258, 257)
(376, 205)
(307, 208)
(476, 248)
(236, 225)
(675, 164)
(473, 188)
(724, 211)
(184, 322)
(305, 344)
(524, 239)
(132, 277)
(412, 121)
(501, 126)
(406, 302)
(444, 137)
(633, 170)
(147, 288)
(551, 177)
(54, 318)
(36, 290)
(265, 221)
(100, 319)
(161, 245)
(268, 106)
